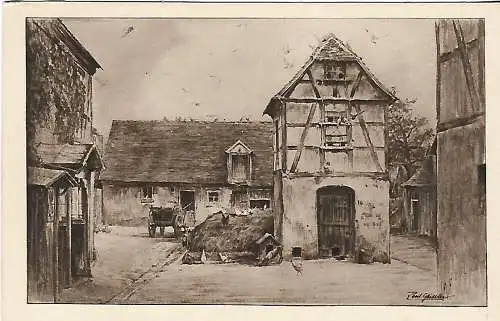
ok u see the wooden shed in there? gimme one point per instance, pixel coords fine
(420, 200)
(48, 234)
(461, 160)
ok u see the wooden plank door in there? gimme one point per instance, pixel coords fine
(335, 221)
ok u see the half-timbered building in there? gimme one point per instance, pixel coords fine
(331, 187)
(461, 160)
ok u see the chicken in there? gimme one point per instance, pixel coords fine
(297, 266)
(224, 258)
(203, 257)
(225, 219)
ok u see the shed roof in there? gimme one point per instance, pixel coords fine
(47, 177)
(423, 177)
(184, 151)
(66, 154)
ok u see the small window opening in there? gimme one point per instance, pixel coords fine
(147, 192)
(213, 197)
(335, 91)
(262, 204)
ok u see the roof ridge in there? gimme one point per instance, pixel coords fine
(193, 121)
(327, 39)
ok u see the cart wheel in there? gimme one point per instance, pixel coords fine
(177, 231)
(152, 231)
(162, 230)
(176, 228)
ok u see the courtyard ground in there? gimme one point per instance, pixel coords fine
(132, 268)
(125, 256)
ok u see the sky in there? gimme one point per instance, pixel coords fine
(230, 68)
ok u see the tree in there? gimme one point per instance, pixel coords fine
(408, 136)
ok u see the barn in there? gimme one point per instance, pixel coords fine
(419, 199)
(201, 166)
(331, 187)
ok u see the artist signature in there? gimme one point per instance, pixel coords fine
(426, 296)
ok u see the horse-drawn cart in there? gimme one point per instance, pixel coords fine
(163, 217)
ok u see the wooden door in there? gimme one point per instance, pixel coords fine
(335, 221)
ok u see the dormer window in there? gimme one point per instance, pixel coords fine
(239, 163)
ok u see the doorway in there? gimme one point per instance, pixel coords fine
(187, 200)
(415, 212)
(335, 206)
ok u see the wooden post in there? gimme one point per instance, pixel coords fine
(69, 199)
(438, 72)
(481, 66)
(284, 147)
(322, 118)
(55, 232)
(92, 215)
(86, 219)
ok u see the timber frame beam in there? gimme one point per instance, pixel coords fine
(328, 100)
(466, 66)
(362, 123)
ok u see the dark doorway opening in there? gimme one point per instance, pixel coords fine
(187, 200)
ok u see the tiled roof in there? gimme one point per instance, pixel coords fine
(184, 151)
(46, 177)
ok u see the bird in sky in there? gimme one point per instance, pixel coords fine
(128, 31)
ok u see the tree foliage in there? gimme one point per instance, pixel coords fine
(56, 88)
(408, 136)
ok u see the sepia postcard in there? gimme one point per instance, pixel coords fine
(175, 158)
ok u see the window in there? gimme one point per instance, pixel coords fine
(240, 166)
(147, 192)
(213, 197)
(334, 71)
(262, 204)
(239, 163)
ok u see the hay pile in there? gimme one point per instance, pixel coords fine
(238, 235)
